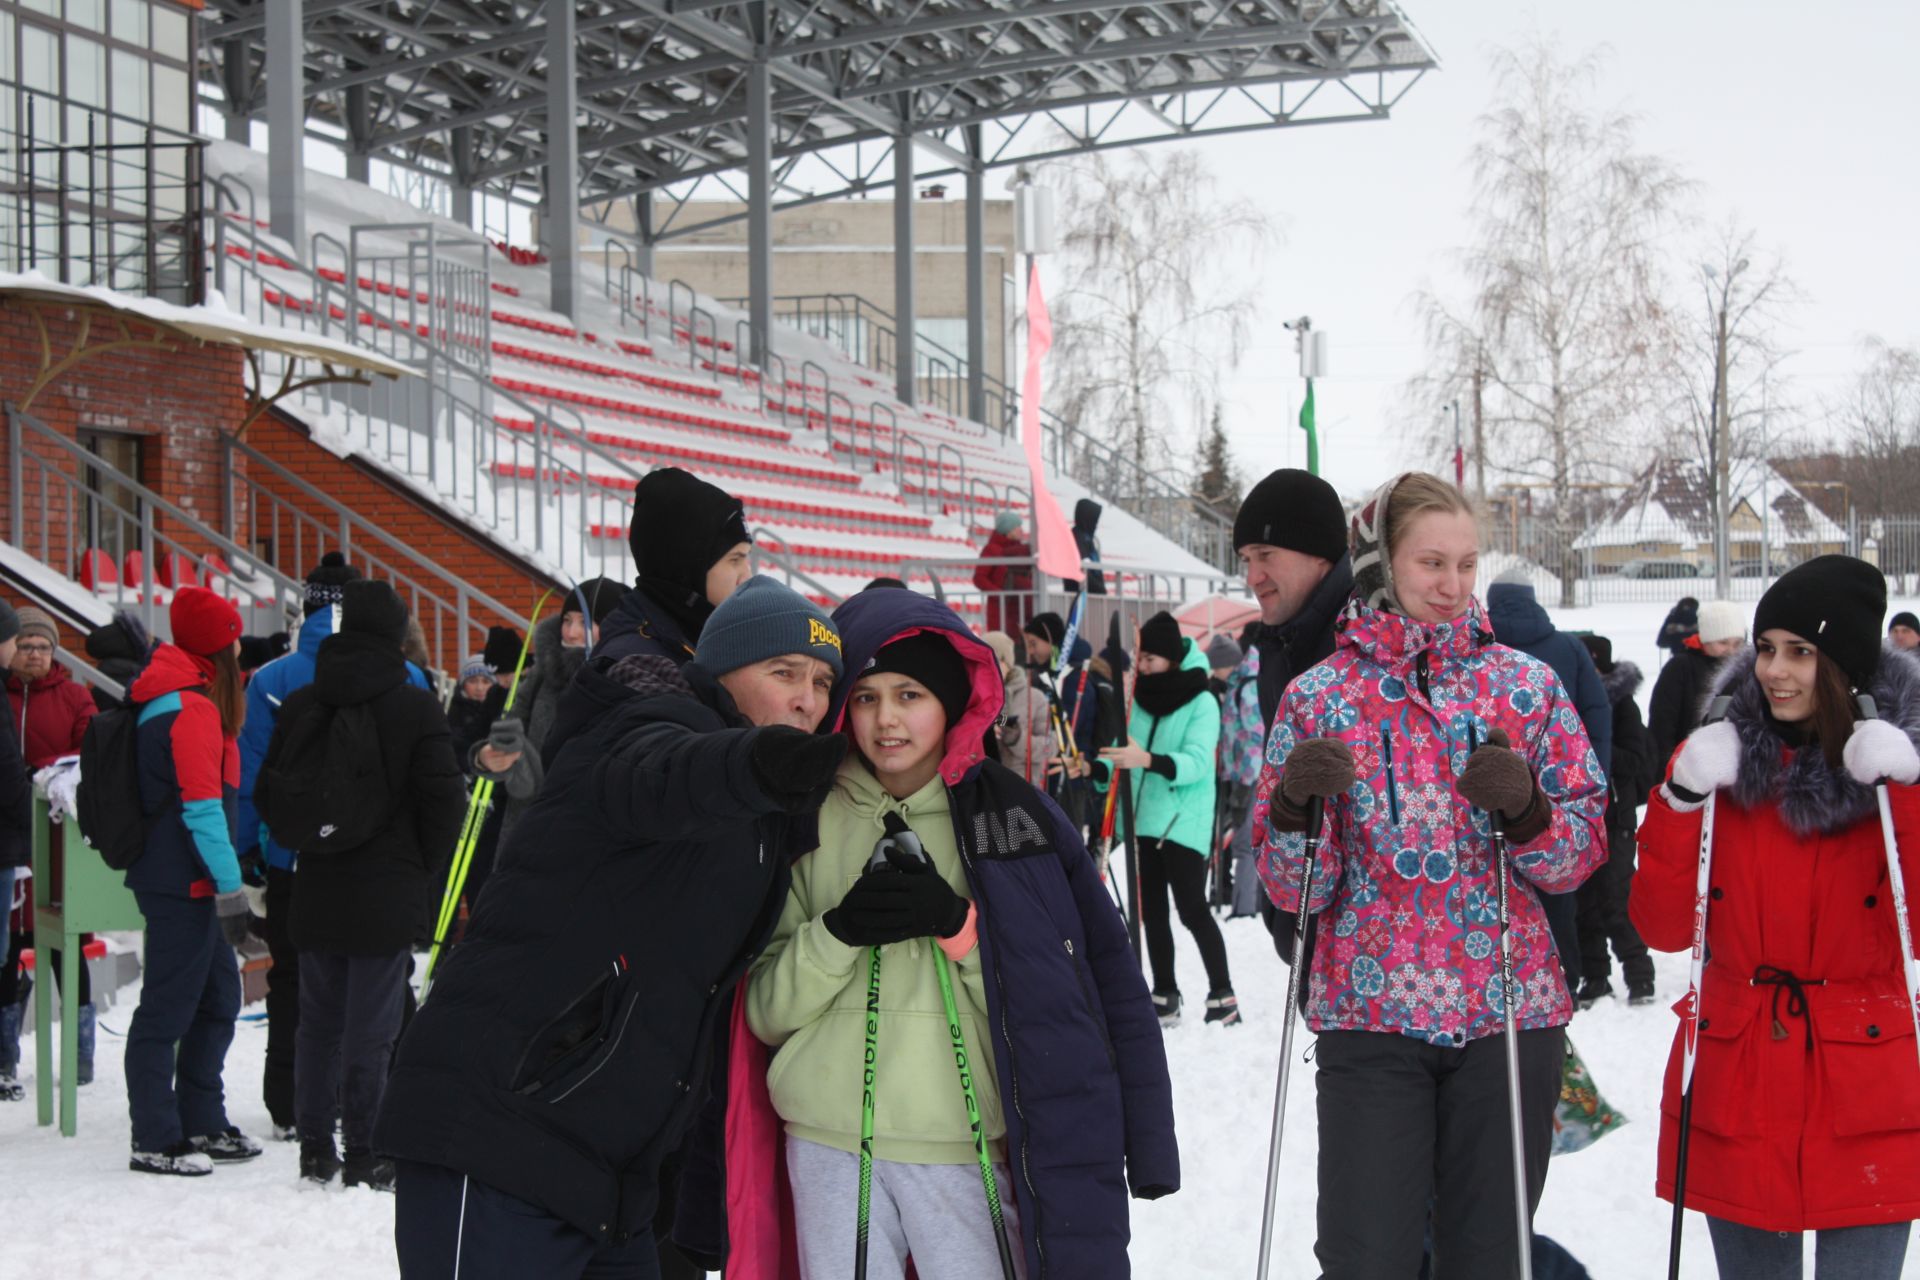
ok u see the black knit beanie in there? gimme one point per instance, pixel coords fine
(326, 579)
(934, 662)
(1601, 650)
(1834, 603)
(1294, 509)
(681, 526)
(502, 651)
(1160, 635)
(373, 608)
(1903, 619)
(1049, 626)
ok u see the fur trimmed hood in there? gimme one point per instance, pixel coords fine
(1814, 797)
(1621, 681)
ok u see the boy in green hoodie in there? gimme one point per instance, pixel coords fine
(808, 997)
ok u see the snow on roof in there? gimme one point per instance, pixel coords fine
(211, 322)
(1671, 502)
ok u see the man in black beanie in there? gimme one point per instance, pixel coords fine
(1904, 631)
(690, 544)
(1291, 536)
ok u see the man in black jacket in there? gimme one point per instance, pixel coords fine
(568, 1041)
(1602, 900)
(1291, 536)
(357, 910)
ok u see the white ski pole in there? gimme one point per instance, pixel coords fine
(1690, 1015)
(1898, 882)
(1523, 1221)
(1316, 822)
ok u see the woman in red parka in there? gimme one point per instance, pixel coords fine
(1008, 587)
(1806, 1090)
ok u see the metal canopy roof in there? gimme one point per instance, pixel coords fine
(459, 87)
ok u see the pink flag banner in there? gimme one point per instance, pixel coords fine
(1054, 547)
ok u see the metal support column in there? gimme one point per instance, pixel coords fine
(976, 280)
(236, 78)
(643, 224)
(286, 123)
(359, 131)
(907, 383)
(460, 150)
(760, 195)
(561, 215)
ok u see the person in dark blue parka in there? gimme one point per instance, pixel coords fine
(1519, 622)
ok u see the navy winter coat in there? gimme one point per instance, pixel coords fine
(640, 625)
(1520, 623)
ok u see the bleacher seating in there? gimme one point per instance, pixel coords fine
(816, 471)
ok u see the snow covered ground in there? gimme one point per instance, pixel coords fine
(78, 1214)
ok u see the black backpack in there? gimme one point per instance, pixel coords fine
(325, 791)
(107, 804)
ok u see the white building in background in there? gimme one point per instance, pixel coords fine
(1666, 516)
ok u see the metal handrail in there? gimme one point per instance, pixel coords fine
(91, 503)
(1195, 527)
(781, 561)
(472, 610)
(453, 414)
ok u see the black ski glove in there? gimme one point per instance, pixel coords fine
(904, 900)
(794, 768)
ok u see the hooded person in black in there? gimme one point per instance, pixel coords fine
(120, 650)
(1086, 520)
(689, 541)
(357, 910)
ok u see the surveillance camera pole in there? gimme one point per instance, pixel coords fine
(1309, 368)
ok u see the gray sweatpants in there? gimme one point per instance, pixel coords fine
(936, 1212)
(1247, 889)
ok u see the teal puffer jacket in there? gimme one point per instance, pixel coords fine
(1180, 810)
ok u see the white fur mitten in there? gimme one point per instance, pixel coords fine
(1880, 752)
(1708, 761)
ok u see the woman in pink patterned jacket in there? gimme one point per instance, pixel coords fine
(1403, 733)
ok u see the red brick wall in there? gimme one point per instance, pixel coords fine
(179, 396)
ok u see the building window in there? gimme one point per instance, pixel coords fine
(83, 85)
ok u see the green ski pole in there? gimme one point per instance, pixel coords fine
(973, 1109)
(477, 805)
(866, 1117)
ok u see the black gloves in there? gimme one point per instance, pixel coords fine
(794, 768)
(253, 868)
(908, 899)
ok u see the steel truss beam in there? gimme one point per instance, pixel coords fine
(661, 85)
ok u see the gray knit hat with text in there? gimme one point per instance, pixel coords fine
(763, 619)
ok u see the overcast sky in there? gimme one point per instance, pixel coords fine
(1801, 121)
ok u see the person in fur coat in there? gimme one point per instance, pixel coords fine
(1806, 1088)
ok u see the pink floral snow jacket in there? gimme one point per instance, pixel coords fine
(1408, 930)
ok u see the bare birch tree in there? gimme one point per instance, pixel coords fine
(1159, 298)
(1731, 276)
(1564, 275)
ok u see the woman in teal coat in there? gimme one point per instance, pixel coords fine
(1172, 744)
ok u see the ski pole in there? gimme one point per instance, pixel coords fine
(1316, 822)
(959, 1039)
(478, 803)
(1523, 1221)
(1897, 881)
(1690, 1014)
(866, 1117)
